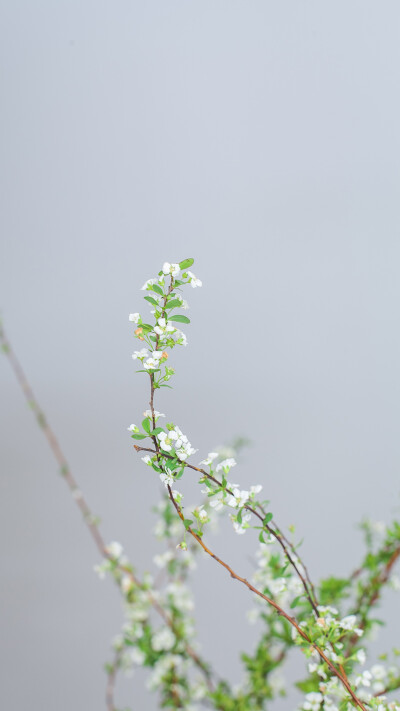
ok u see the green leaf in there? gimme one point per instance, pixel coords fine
(175, 303)
(187, 522)
(261, 537)
(180, 318)
(156, 431)
(138, 436)
(295, 601)
(158, 289)
(146, 425)
(268, 518)
(151, 300)
(186, 263)
(308, 685)
(147, 327)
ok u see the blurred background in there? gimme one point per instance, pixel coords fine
(262, 139)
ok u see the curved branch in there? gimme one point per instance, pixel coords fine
(271, 602)
(81, 503)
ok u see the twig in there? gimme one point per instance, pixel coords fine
(280, 610)
(275, 532)
(77, 495)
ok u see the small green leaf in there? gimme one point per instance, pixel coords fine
(261, 537)
(180, 318)
(158, 289)
(146, 425)
(186, 263)
(268, 518)
(295, 601)
(175, 303)
(187, 522)
(147, 327)
(138, 436)
(151, 300)
(156, 431)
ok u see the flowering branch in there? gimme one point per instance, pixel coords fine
(91, 521)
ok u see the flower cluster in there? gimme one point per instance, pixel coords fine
(326, 629)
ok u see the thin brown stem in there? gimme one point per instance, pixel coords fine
(111, 679)
(279, 610)
(88, 516)
(273, 529)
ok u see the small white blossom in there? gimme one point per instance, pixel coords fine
(148, 284)
(138, 657)
(148, 413)
(194, 281)
(217, 501)
(134, 317)
(172, 269)
(164, 640)
(364, 679)
(238, 499)
(361, 656)
(167, 479)
(210, 458)
(133, 428)
(143, 353)
(240, 528)
(226, 465)
(255, 489)
(126, 583)
(115, 550)
(313, 701)
(147, 459)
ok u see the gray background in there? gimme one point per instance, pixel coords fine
(262, 139)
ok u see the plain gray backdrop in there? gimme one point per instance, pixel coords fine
(262, 139)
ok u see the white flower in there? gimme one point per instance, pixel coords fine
(378, 671)
(240, 527)
(162, 559)
(226, 465)
(126, 584)
(133, 428)
(181, 338)
(148, 413)
(167, 479)
(210, 458)
(349, 623)
(146, 459)
(238, 499)
(203, 515)
(171, 268)
(134, 317)
(194, 281)
(151, 364)
(313, 701)
(148, 283)
(217, 501)
(114, 550)
(394, 582)
(143, 353)
(361, 656)
(163, 327)
(137, 656)
(255, 489)
(165, 440)
(164, 639)
(364, 679)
